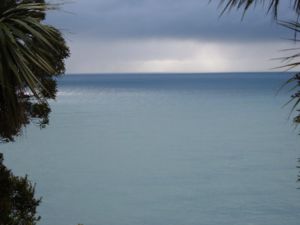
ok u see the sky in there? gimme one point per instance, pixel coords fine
(117, 36)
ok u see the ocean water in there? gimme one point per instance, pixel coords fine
(164, 149)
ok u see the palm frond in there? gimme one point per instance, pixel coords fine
(18, 28)
(31, 52)
(272, 5)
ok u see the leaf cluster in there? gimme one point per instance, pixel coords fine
(32, 55)
(18, 205)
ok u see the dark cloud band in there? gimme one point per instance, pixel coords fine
(179, 19)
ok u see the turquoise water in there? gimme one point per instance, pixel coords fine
(181, 149)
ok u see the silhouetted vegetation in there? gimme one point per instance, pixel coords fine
(298, 168)
(18, 203)
(31, 57)
(291, 61)
(272, 5)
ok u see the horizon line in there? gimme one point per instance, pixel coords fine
(175, 73)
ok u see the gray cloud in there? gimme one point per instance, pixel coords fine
(177, 19)
(168, 36)
(172, 56)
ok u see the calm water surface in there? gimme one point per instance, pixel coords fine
(181, 149)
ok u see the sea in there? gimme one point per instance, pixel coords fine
(165, 149)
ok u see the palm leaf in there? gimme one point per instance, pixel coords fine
(18, 27)
(291, 61)
(30, 53)
(273, 5)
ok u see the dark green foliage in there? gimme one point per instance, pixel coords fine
(32, 55)
(17, 201)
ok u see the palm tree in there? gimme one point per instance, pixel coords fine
(31, 56)
(291, 61)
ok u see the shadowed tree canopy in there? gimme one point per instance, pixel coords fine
(32, 55)
(17, 202)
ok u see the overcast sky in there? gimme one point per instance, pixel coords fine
(168, 36)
